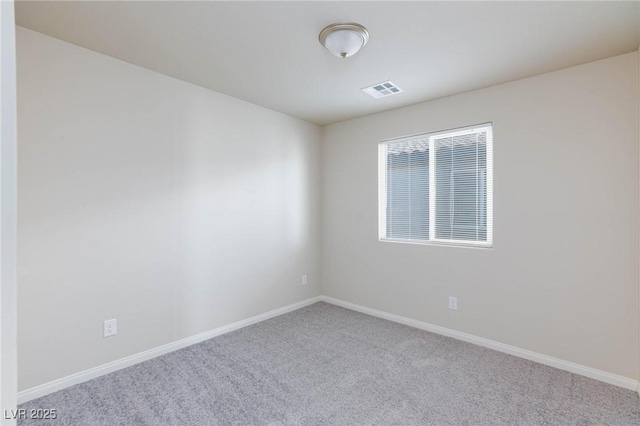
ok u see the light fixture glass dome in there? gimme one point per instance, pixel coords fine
(344, 40)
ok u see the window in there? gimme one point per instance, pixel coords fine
(438, 187)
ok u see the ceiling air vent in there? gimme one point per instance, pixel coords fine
(382, 90)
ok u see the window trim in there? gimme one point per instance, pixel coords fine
(432, 137)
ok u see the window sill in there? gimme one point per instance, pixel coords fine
(439, 243)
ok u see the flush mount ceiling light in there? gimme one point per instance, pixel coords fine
(344, 40)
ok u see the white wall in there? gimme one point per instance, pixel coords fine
(562, 278)
(172, 208)
(8, 213)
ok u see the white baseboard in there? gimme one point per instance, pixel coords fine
(92, 373)
(571, 367)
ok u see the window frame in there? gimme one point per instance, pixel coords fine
(432, 137)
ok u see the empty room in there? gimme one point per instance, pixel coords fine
(319, 213)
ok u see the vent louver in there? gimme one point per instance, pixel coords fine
(382, 90)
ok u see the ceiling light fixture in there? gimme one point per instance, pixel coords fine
(344, 40)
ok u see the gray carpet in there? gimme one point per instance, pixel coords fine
(324, 365)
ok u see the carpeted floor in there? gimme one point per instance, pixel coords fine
(324, 365)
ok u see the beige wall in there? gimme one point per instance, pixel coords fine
(562, 278)
(143, 198)
(8, 215)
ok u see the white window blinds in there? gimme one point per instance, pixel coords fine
(438, 187)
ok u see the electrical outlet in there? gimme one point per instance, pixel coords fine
(304, 280)
(110, 327)
(453, 303)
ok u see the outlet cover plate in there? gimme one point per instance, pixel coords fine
(110, 327)
(453, 303)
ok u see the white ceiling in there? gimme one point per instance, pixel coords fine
(268, 53)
